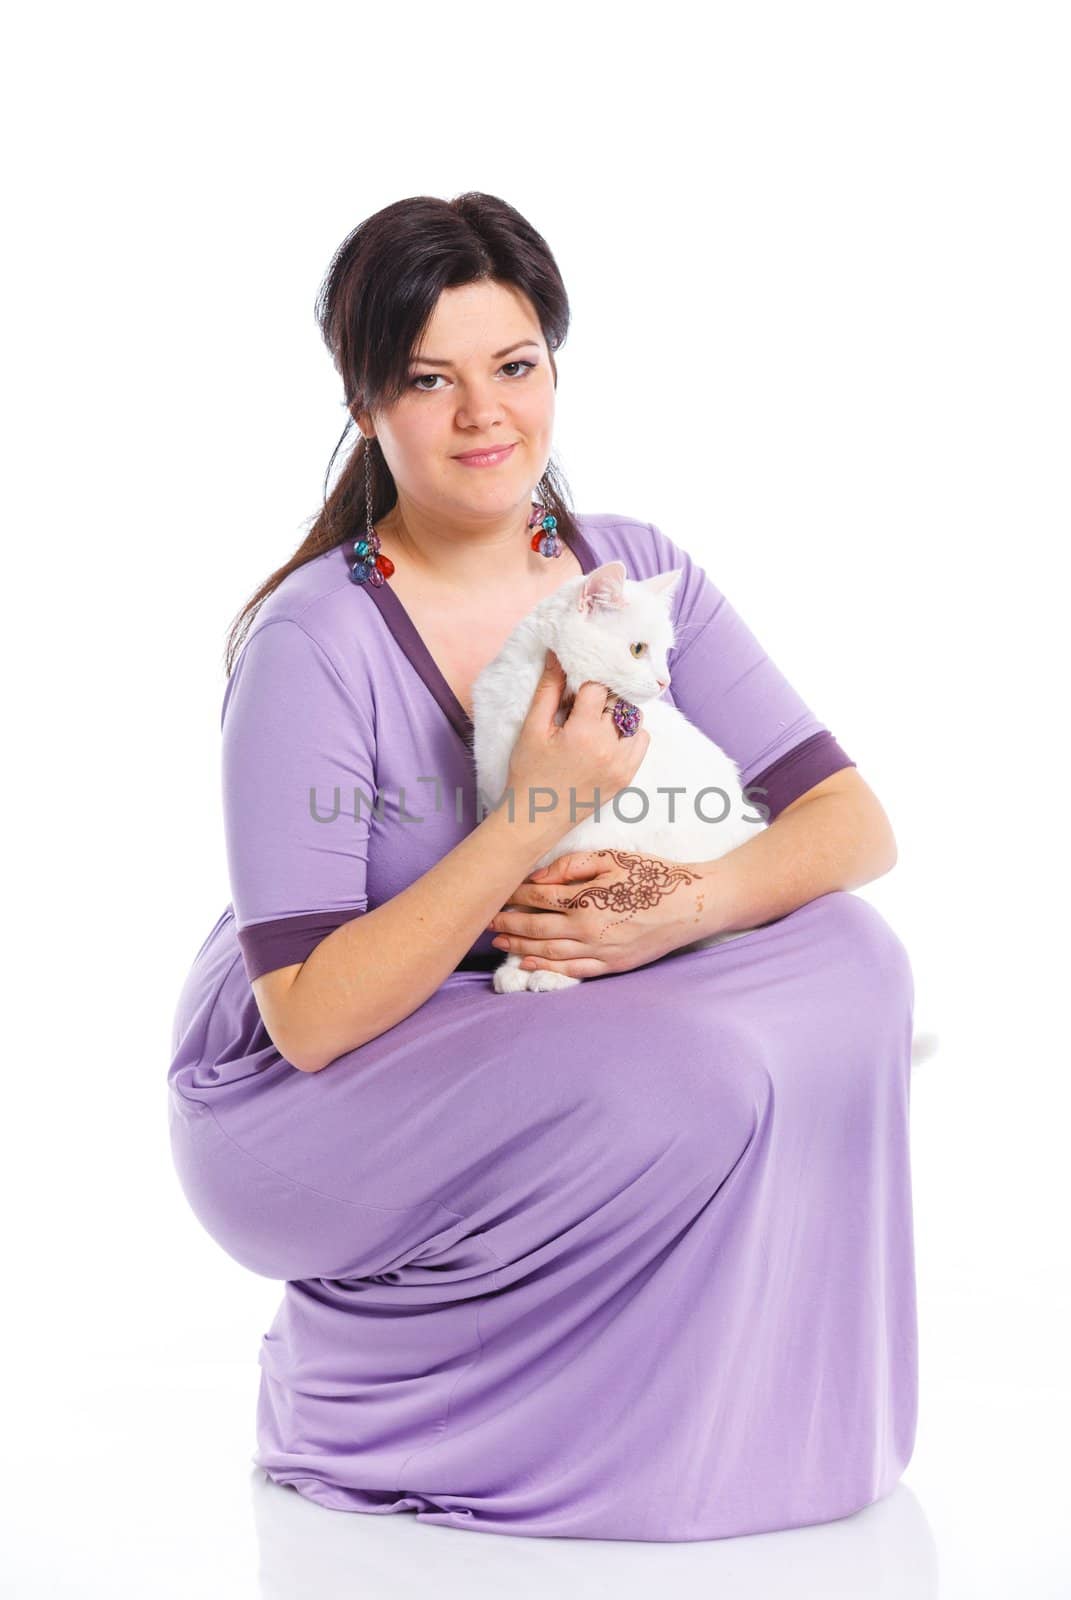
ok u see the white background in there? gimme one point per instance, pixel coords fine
(818, 260)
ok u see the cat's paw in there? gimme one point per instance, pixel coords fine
(543, 980)
(510, 977)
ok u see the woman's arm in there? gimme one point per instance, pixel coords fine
(374, 970)
(836, 836)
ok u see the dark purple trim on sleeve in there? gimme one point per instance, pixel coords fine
(287, 940)
(797, 771)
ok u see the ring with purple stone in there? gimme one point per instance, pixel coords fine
(626, 717)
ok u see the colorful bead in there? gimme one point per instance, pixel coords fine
(371, 565)
(373, 572)
(544, 540)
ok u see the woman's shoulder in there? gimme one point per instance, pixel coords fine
(320, 600)
(305, 594)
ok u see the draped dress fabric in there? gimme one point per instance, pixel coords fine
(632, 1260)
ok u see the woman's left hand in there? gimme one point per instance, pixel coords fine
(631, 909)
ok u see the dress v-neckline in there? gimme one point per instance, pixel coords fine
(411, 643)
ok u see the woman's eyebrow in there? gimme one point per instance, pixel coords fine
(432, 361)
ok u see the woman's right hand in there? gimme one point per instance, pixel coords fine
(586, 753)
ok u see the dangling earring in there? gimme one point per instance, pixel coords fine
(371, 565)
(545, 539)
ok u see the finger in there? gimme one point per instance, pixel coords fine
(533, 925)
(531, 897)
(580, 967)
(549, 873)
(521, 896)
(548, 691)
(549, 949)
(570, 868)
(528, 895)
(590, 701)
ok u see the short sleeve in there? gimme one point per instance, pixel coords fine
(724, 681)
(298, 765)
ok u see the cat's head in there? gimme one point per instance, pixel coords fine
(618, 631)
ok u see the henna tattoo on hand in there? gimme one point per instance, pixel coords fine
(648, 880)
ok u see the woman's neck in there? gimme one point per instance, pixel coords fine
(455, 555)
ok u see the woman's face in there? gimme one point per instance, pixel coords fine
(490, 383)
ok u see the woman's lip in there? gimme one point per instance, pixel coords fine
(486, 458)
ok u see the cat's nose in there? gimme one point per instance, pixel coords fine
(664, 683)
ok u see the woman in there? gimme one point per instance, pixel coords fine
(631, 1260)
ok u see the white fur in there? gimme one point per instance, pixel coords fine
(590, 623)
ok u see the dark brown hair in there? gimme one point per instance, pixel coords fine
(374, 304)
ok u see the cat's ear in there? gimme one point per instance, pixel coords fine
(664, 582)
(605, 588)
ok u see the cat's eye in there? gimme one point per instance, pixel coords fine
(637, 649)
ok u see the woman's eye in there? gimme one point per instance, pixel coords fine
(418, 382)
(637, 649)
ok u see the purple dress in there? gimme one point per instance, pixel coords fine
(632, 1260)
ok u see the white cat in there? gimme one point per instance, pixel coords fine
(614, 630)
